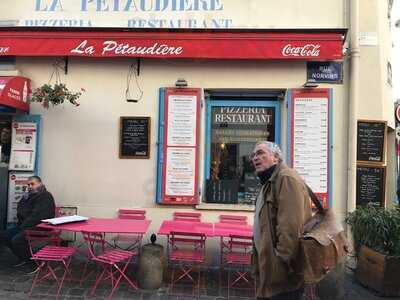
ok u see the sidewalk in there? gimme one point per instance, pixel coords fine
(15, 284)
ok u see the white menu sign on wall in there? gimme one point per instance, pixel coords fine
(23, 147)
(180, 175)
(310, 139)
(182, 111)
(17, 186)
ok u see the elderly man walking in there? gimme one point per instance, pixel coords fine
(282, 208)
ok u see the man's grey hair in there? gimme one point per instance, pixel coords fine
(36, 178)
(274, 148)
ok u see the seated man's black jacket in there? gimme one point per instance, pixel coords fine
(36, 208)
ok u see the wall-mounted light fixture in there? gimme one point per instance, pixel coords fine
(310, 85)
(181, 82)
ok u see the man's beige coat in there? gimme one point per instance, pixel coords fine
(278, 267)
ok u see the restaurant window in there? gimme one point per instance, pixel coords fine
(233, 128)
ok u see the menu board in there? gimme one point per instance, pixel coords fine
(371, 185)
(180, 175)
(18, 186)
(23, 146)
(222, 191)
(371, 141)
(181, 110)
(310, 139)
(134, 137)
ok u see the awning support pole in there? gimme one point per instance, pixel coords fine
(66, 65)
(138, 66)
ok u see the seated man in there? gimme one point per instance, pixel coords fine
(36, 205)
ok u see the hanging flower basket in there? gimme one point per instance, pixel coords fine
(55, 94)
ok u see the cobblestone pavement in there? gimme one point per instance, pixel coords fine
(15, 284)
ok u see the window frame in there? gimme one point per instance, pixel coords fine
(272, 102)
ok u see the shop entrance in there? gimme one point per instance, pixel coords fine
(233, 128)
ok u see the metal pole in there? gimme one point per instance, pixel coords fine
(353, 103)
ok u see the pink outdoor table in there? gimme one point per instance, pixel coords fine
(103, 225)
(186, 227)
(227, 229)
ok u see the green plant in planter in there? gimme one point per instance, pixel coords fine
(376, 228)
(55, 94)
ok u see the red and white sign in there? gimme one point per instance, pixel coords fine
(210, 45)
(397, 113)
(310, 139)
(181, 146)
(23, 147)
(17, 187)
(14, 92)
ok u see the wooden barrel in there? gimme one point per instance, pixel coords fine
(152, 264)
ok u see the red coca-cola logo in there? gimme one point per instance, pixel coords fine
(309, 50)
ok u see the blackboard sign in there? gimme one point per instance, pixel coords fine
(134, 139)
(252, 187)
(371, 185)
(222, 191)
(371, 141)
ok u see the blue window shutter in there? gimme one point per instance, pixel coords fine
(160, 143)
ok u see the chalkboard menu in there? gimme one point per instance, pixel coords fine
(371, 141)
(371, 185)
(134, 137)
(222, 191)
(252, 187)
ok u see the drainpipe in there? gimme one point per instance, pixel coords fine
(353, 103)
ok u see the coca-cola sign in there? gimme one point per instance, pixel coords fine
(308, 50)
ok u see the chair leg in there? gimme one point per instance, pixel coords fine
(172, 279)
(35, 279)
(198, 282)
(229, 282)
(98, 279)
(66, 271)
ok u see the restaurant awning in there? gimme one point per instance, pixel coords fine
(14, 92)
(257, 45)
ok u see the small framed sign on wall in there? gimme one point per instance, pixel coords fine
(134, 137)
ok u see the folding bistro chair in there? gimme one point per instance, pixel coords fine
(238, 262)
(130, 242)
(233, 219)
(49, 256)
(114, 262)
(187, 252)
(229, 219)
(187, 216)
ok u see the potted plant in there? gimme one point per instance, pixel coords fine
(376, 234)
(55, 94)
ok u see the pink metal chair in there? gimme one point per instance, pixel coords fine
(135, 214)
(130, 241)
(187, 216)
(50, 257)
(186, 253)
(233, 219)
(113, 262)
(229, 219)
(238, 261)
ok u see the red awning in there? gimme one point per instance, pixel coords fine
(14, 92)
(210, 45)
